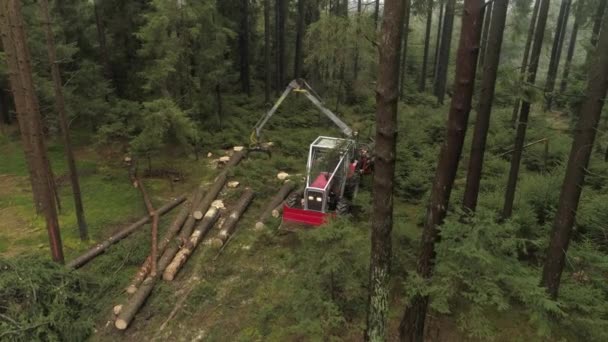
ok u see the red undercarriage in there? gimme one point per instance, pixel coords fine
(302, 216)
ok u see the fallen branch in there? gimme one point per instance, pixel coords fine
(274, 202)
(101, 247)
(230, 224)
(199, 233)
(175, 227)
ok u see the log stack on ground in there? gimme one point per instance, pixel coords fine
(230, 224)
(103, 246)
(277, 200)
(174, 228)
(129, 310)
(184, 253)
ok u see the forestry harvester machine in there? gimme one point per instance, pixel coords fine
(333, 169)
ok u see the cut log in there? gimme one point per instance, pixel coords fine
(198, 215)
(274, 202)
(230, 224)
(282, 175)
(175, 227)
(129, 310)
(117, 309)
(276, 212)
(101, 247)
(184, 253)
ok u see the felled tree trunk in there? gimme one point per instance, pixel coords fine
(277, 200)
(128, 312)
(101, 247)
(229, 225)
(197, 236)
(175, 227)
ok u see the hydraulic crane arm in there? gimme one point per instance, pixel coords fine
(300, 86)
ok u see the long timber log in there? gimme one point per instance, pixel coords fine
(230, 224)
(277, 200)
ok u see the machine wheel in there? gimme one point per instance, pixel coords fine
(294, 200)
(343, 207)
(352, 186)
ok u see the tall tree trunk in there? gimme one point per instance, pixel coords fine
(18, 56)
(485, 33)
(244, 48)
(376, 14)
(387, 92)
(101, 37)
(412, 324)
(281, 13)
(522, 124)
(299, 36)
(556, 50)
(443, 61)
(5, 101)
(427, 42)
(356, 63)
(438, 40)
(267, 47)
(486, 97)
(524, 61)
(598, 21)
(405, 34)
(63, 121)
(571, 46)
(582, 146)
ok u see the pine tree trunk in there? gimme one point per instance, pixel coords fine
(412, 324)
(129, 311)
(244, 48)
(582, 147)
(276, 200)
(356, 63)
(522, 124)
(101, 37)
(376, 14)
(438, 40)
(299, 37)
(486, 97)
(63, 121)
(267, 71)
(556, 50)
(598, 21)
(281, 13)
(14, 40)
(427, 42)
(443, 61)
(5, 103)
(229, 226)
(524, 61)
(571, 46)
(405, 35)
(387, 92)
(487, 21)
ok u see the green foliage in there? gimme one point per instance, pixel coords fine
(42, 301)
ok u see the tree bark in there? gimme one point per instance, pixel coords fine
(524, 62)
(427, 42)
(14, 40)
(285, 190)
(267, 71)
(230, 225)
(300, 30)
(63, 121)
(244, 48)
(487, 21)
(405, 35)
(556, 50)
(175, 227)
(438, 40)
(387, 92)
(597, 23)
(525, 110)
(376, 14)
(197, 236)
(571, 46)
(101, 37)
(443, 62)
(484, 109)
(412, 324)
(129, 310)
(281, 13)
(103, 246)
(582, 147)
(5, 104)
(356, 63)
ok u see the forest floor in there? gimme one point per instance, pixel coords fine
(234, 295)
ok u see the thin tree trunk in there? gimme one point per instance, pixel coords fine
(582, 147)
(405, 35)
(412, 324)
(299, 36)
(556, 50)
(244, 48)
(438, 40)
(598, 21)
(524, 61)
(571, 46)
(443, 61)
(267, 71)
(5, 104)
(387, 92)
(486, 97)
(15, 43)
(63, 121)
(525, 110)
(427, 42)
(281, 13)
(487, 21)
(101, 37)
(376, 14)
(356, 63)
